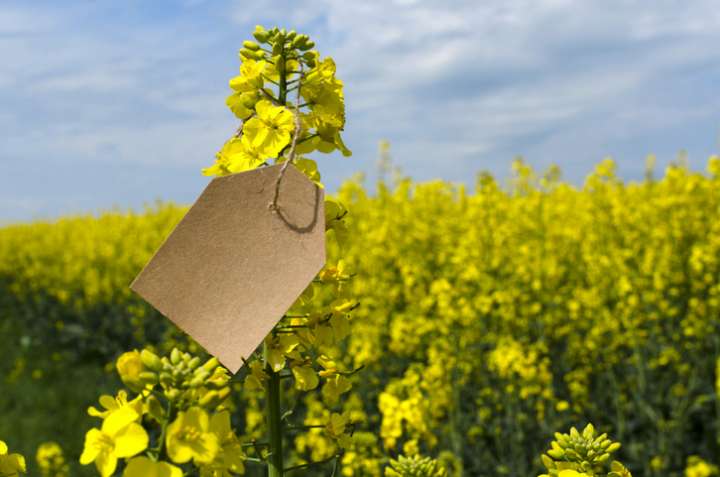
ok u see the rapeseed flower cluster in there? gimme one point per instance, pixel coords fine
(277, 72)
(174, 415)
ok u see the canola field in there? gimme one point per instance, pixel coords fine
(490, 317)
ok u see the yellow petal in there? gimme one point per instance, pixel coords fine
(198, 418)
(306, 378)
(108, 402)
(276, 359)
(131, 440)
(144, 467)
(92, 447)
(264, 108)
(206, 448)
(220, 424)
(118, 419)
(106, 464)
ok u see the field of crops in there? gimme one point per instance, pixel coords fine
(488, 319)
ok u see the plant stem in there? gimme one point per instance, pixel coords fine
(273, 411)
(274, 422)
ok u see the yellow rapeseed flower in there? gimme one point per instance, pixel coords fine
(229, 459)
(111, 404)
(11, 465)
(269, 131)
(250, 78)
(129, 366)
(119, 437)
(189, 438)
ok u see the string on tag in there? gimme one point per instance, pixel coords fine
(293, 144)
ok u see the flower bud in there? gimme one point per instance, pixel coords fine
(298, 41)
(249, 100)
(251, 45)
(211, 364)
(613, 447)
(602, 458)
(198, 381)
(246, 54)
(209, 399)
(194, 363)
(166, 379)
(223, 393)
(175, 356)
(261, 34)
(130, 366)
(149, 377)
(556, 453)
(150, 360)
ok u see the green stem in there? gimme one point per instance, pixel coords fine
(282, 87)
(273, 413)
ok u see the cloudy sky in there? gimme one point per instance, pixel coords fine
(121, 103)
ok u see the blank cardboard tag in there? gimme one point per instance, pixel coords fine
(232, 267)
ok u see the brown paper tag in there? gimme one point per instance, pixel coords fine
(232, 267)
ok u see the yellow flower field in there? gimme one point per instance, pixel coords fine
(490, 317)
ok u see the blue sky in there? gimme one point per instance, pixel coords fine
(122, 103)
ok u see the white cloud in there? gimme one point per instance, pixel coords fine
(456, 85)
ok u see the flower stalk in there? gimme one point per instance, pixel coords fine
(274, 420)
